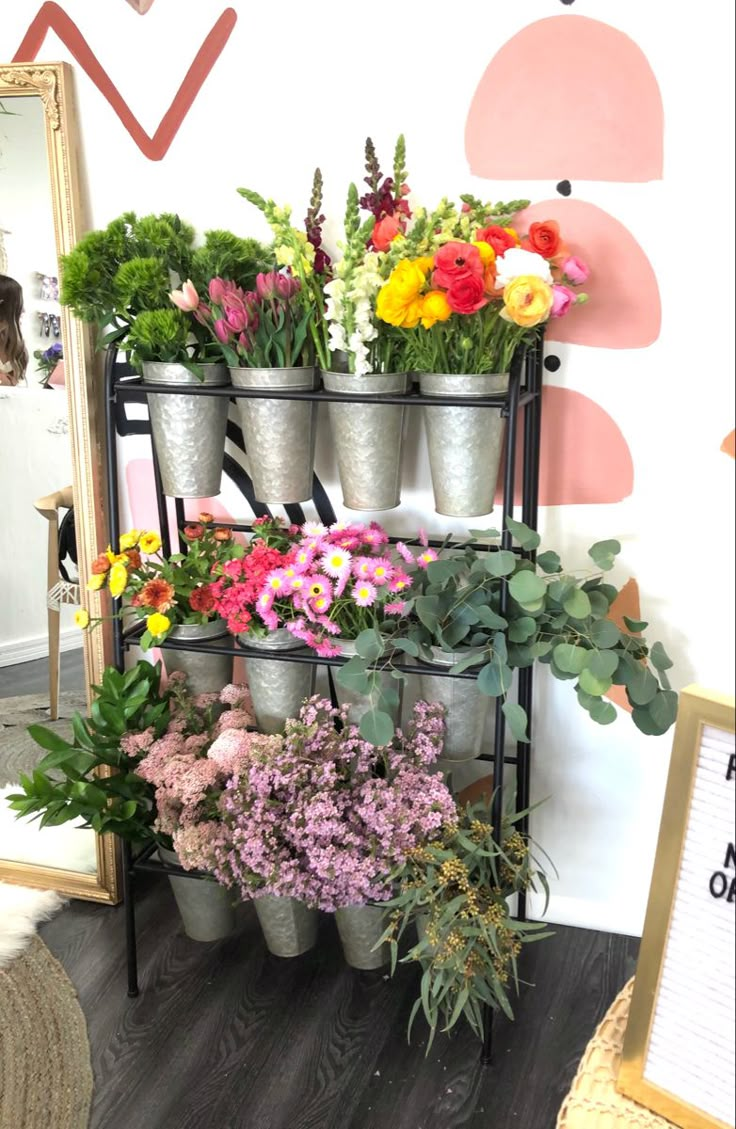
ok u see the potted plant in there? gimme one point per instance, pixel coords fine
(93, 776)
(49, 361)
(173, 595)
(366, 354)
(120, 279)
(188, 778)
(466, 290)
(456, 888)
(277, 688)
(454, 616)
(326, 818)
(340, 586)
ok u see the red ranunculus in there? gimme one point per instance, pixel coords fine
(467, 294)
(385, 231)
(496, 237)
(455, 261)
(544, 238)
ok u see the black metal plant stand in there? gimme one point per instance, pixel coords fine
(521, 405)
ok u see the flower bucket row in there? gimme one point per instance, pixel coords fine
(314, 820)
(444, 297)
(466, 607)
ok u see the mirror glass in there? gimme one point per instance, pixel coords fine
(35, 456)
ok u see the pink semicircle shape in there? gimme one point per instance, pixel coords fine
(728, 446)
(567, 97)
(584, 457)
(625, 309)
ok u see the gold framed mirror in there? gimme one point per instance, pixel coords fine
(40, 95)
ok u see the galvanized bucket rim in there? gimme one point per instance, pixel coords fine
(212, 630)
(215, 374)
(390, 382)
(474, 384)
(278, 640)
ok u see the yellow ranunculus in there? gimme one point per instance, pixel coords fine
(118, 579)
(81, 618)
(514, 235)
(413, 314)
(408, 279)
(527, 301)
(129, 540)
(96, 581)
(158, 624)
(150, 542)
(487, 254)
(398, 301)
(426, 263)
(435, 307)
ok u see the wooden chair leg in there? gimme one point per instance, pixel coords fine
(54, 620)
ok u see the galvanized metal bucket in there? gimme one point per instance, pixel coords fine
(464, 444)
(466, 709)
(277, 689)
(206, 908)
(360, 929)
(279, 434)
(359, 704)
(289, 927)
(205, 673)
(368, 439)
(188, 431)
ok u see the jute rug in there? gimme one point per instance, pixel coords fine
(593, 1102)
(19, 752)
(45, 1069)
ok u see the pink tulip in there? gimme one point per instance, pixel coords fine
(216, 291)
(576, 270)
(266, 286)
(287, 286)
(237, 319)
(222, 331)
(563, 299)
(186, 299)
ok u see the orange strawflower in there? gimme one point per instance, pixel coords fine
(157, 594)
(134, 558)
(101, 564)
(206, 518)
(223, 534)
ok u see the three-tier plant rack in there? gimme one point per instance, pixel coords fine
(521, 405)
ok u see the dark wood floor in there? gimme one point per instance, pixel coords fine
(224, 1036)
(33, 677)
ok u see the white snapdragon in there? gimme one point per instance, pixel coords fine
(516, 262)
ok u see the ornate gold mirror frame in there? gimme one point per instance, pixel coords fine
(52, 83)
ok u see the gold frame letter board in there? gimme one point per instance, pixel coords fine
(679, 1048)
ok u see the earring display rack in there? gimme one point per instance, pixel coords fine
(521, 405)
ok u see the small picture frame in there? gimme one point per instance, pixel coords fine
(678, 1057)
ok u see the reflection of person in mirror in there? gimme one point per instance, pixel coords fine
(13, 353)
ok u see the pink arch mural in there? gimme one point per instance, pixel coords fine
(567, 97)
(625, 310)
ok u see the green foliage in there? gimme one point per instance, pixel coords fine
(159, 335)
(141, 285)
(228, 256)
(551, 616)
(91, 777)
(455, 890)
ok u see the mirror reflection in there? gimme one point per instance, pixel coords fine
(41, 667)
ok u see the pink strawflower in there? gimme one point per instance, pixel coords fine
(303, 559)
(278, 582)
(314, 529)
(405, 552)
(321, 604)
(335, 562)
(382, 570)
(362, 567)
(396, 607)
(425, 559)
(423, 539)
(364, 593)
(401, 580)
(327, 650)
(375, 534)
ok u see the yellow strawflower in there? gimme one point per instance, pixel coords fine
(118, 579)
(150, 542)
(96, 581)
(158, 624)
(129, 540)
(81, 618)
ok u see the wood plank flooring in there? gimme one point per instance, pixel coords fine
(33, 677)
(225, 1036)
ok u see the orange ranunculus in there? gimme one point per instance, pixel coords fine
(544, 238)
(157, 594)
(435, 307)
(501, 239)
(101, 564)
(489, 278)
(527, 301)
(385, 231)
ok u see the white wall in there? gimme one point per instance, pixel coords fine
(306, 89)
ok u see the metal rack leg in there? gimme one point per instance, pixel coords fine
(131, 948)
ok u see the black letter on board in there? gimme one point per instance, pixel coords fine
(730, 857)
(731, 767)
(718, 884)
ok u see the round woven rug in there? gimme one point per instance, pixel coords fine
(593, 1101)
(45, 1068)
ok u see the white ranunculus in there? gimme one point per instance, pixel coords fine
(517, 262)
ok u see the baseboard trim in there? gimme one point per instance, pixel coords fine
(37, 647)
(586, 914)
